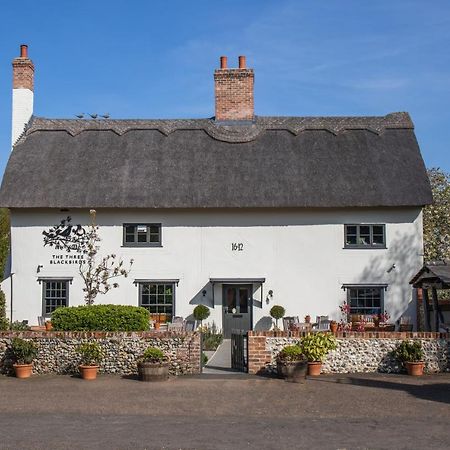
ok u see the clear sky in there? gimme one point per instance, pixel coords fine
(155, 59)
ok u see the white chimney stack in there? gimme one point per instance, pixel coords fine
(22, 97)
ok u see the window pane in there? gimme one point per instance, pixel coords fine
(129, 229)
(351, 239)
(243, 300)
(142, 236)
(154, 238)
(364, 235)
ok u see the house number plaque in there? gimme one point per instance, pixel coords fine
(237, 246)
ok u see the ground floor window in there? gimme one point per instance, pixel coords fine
(365, 300)
(158, 298)
(55, 294)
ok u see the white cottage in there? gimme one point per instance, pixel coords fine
(238, 212)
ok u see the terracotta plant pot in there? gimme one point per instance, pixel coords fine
(293, 371)
(48, 326)
(314, 368)
(153, 371)
(156, 325)
(88, 372)
(415, 368)
(23, 370)
(334, 327)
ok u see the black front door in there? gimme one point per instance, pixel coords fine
(237, 308)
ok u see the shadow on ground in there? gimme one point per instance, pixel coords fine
(426, 390)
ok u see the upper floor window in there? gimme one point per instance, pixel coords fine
(55, 294)
(142, 234)
(365, 236)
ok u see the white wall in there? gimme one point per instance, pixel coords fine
(299, 252)
(22, 110)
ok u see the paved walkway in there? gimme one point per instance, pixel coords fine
(220, 362)
(208, 412)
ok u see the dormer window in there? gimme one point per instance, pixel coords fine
(142, 235)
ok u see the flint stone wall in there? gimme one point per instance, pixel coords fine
(358, 352)
(122, 350)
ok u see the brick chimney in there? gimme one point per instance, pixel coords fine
(234, 91)
(22, 96)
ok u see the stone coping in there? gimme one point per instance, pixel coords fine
(97, 334)
(356, 334)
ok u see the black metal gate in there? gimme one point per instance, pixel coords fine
(239, 350)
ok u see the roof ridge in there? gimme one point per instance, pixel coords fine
(228, 132)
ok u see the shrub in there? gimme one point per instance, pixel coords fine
(201, 312)
(24, 352)
(101, 318)
(277, 312)
(212, 338)
(408, 351)
(4, 322)
(316, 346)
(153, 355)
(18, 326)
(204, 359)
(91, 353)
(290, 353)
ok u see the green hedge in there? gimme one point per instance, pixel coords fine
(101, 318)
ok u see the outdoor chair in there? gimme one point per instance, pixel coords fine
(176, 326)
(41, 321)
(177, 319)
(190, 325)
(290, 322)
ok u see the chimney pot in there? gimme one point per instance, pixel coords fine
(223, 62)
(24, 51)
(241, 62)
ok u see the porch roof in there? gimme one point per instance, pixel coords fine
(237, 280)
(436, 274)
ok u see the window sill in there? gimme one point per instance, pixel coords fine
(141, 245)
(364, 247)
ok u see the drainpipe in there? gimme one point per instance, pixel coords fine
(11, 300)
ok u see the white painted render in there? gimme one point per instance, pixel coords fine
(22, 110)
(300, 253)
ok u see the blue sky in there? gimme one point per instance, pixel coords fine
(155, 59)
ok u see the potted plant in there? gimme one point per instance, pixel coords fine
(315, 347)
(153, 365)
(292, 364)
(410, 354)
(277, 312)
(91, 355)
(333, 326)
(23, 352)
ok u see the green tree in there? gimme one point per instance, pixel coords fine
(4, 239)
(98, 273)
(436, 218)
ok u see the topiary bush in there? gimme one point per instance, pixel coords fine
(277, 312)
(101, 318)
(201, 312)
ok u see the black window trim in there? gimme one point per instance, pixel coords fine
(173, 282)
(141, 244)
(382, 287)
(44, 280)
(362, 246)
